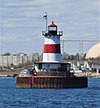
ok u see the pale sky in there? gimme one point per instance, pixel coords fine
(22, 23)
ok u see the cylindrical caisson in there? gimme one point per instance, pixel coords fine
(51, 82)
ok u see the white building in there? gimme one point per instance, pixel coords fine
(9, 60)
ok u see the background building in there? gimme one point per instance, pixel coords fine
(94, 52)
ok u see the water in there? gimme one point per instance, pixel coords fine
(10, 97)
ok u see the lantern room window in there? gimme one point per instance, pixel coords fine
(52, 28)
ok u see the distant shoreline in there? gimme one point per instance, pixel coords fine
(88, 74)
(8, 74)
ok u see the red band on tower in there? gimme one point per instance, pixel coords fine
(52, 48)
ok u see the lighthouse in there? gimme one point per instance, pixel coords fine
(52, 51)
(51, 72)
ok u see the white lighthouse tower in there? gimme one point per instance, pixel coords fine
(52, 52)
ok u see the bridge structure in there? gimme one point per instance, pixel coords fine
(81, 42)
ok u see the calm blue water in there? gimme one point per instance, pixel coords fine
(10, 97)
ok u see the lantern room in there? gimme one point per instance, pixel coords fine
(52, 29)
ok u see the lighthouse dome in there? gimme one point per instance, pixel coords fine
(52, 24)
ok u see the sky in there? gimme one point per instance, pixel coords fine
(22, 23)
